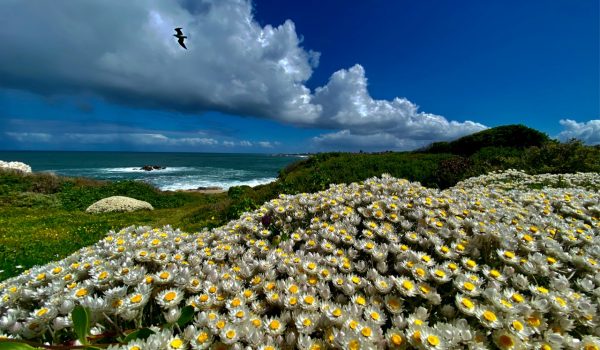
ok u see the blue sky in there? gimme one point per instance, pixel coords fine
(293, 76)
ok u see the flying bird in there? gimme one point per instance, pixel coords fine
(180, 37)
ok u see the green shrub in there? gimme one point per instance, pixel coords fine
(514, 136)
(79, 197)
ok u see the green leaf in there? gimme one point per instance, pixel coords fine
(187, 313)
(11, 345)
(142, 333)
(81, 323)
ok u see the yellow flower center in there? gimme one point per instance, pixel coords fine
(42, 312)
(202, 337)
(274, 325)
(337, 312)
(307, 322)
(534, 321)
(467, 303)
(518, 298)
(407, 285)
(396, 339)
(517, 325)
(81, 292)
(230, 334)
(489, 316)
(170, 296)
(309, 299)
(176, 343)
(366, 332)
(433, 340)
(469, 286)
(221, 324)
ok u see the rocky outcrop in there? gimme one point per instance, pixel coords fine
(22, 167)
(118, 204)
(152, 167)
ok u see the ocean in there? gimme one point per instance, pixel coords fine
(182, 170)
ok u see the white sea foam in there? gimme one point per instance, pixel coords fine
(193, 182)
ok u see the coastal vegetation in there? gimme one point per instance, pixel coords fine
(500, 261)
(42, 216)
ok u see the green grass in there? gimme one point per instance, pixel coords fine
(36, 228)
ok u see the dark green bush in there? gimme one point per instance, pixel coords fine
(78, 197)
(513, 136)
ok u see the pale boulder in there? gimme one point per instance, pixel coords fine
(118, 203)
(19, 166)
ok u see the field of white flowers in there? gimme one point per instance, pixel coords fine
(505, 261)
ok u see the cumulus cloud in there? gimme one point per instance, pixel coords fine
(588, 132)
(125, 53)
(396, 124)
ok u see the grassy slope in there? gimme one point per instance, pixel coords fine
(42, 217)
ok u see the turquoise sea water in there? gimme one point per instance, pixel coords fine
(183, 170)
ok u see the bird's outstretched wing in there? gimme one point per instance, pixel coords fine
(178, 30)
(180, 41)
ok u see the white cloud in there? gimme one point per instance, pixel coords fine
(138, 138)
(347, 105)
(29, 136)
(265, 144)
(346, 141)
(588, 132)
(124, 51)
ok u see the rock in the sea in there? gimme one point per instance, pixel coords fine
(118, 203)
(152, 167)
(15, 166)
